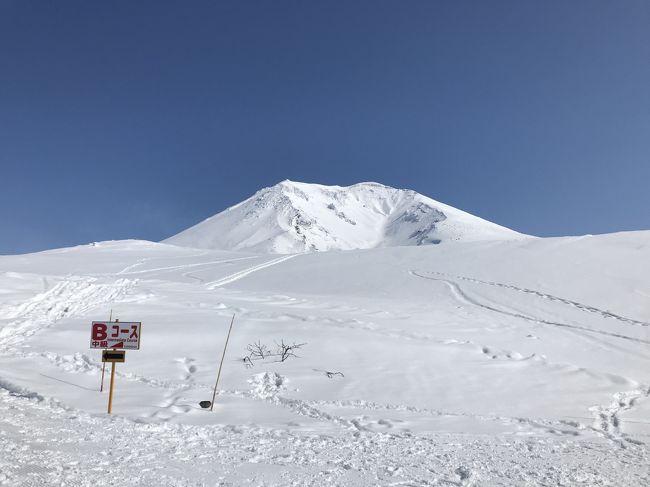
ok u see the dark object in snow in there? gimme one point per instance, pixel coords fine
(205, 404)
(330, 375)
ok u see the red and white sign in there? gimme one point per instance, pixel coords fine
(115, 334)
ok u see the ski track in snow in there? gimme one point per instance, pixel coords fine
(465, 298)
(550, 297)
(76, 296)
(46, 444)
(606, 418)
(128, 271)
(241, 274)
(69, 297)
(488, 351)
(184, 437)
(81, 363)
(553, 427)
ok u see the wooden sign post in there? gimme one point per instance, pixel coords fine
(110, 389)
(114, 337)
(112, 356)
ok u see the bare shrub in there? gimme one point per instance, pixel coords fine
(259, 351)
(286, 351)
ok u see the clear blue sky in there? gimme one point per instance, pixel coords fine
(137, 119)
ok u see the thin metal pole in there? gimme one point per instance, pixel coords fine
(101, 387)
(214, 394)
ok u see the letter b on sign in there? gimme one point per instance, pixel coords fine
(99, 331)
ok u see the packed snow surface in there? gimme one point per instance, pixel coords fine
(510, 362)
(295, 217)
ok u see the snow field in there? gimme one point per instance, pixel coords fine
(486, 363)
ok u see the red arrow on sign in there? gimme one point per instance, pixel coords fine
(118, 345)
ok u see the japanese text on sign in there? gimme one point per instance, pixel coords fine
(115, 334)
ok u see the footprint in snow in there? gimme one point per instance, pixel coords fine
(189, 368)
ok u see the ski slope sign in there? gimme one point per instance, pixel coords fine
(115, 334)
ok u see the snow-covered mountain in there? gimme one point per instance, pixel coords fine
(297, 217)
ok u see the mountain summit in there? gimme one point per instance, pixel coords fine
(295, 217)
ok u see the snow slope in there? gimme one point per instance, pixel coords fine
(295, 217)
(509, 362)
